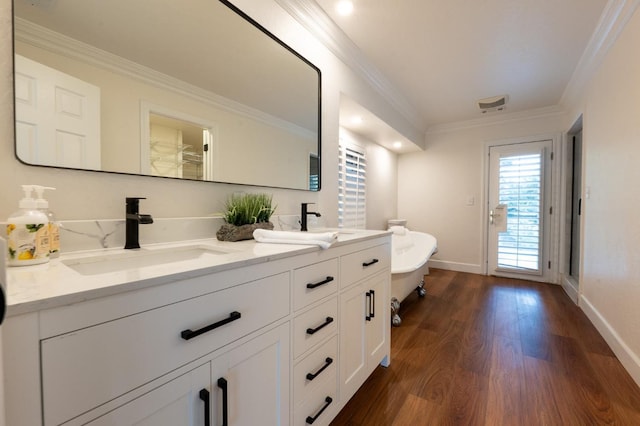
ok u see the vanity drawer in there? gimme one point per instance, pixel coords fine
(361, 264)
(314, 282)
(88, 367)
(320, 405)
(317, 367)
(313, 326)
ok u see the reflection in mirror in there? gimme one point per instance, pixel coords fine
(212, 96)
(176, 148)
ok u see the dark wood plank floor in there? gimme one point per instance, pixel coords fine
(492, 351)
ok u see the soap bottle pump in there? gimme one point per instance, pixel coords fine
(54, 228)
(27, 233)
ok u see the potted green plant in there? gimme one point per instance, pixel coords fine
(245, 213)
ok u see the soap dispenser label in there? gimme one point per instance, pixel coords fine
(54, 238)
(27, 243)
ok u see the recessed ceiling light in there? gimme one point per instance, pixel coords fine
(344, 7)
(397, 144)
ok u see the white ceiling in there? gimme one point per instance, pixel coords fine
(443, 56)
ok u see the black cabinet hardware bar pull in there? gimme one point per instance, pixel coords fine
(328, 321)
(222, 384)
(372, 304)
(204, 395)
(328, 400)
(318, 284)
(373, 262)
(189, 334)
(368, 317)
(327, 362)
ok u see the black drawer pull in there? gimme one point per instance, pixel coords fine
(328, 400)
(368, 316)
(318, 284)
(373, 262)
(327, 362)
(188, 334)
(204, 395)
(328, 321)
(222, 384)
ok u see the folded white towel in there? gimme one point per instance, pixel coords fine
(398, 230)
(323, 240)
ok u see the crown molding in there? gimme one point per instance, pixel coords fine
(614, 18)
(41, 37)
(500, 119)
(315, 20)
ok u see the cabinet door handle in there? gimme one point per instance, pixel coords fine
(367, 308)
(327, 362)
(328, 321)
(205, 396)
(372, 262)
(372, 304)
(222, 384)
(189, 334)
(318, 284)
(328, 400)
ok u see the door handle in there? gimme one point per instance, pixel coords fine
(222, 384)
(205, 397)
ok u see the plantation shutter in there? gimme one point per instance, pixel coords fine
(520, 188)
(351, 187)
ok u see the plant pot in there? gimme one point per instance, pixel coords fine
(229, 232)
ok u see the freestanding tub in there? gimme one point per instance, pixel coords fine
(410, 252)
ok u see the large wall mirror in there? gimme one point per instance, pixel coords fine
(183, 89)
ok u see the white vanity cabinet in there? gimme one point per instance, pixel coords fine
(364, 316)
(278, 341)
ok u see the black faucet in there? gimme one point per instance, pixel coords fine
(303, 216)
(133, 219)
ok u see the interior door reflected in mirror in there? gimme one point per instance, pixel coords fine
(213, 96)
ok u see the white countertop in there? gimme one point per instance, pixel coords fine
(37, 287)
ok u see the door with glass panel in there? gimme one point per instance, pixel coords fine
(519, 210)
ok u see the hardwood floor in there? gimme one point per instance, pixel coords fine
(483, 350)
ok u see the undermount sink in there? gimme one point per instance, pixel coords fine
(140, 258)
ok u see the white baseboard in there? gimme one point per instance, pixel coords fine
(627, 357)
(455, 266)
(569, 288)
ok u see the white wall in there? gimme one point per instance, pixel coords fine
(610, 276)
(89, 195)
(434, 186)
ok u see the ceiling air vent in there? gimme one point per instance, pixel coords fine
(495, 103)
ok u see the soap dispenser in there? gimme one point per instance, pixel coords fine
(54, 228)
(27, 233)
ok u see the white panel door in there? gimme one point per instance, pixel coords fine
(57, 117)
(379, 321)
(519, 216)
(251, 382)
(177, 403)
(353, 335)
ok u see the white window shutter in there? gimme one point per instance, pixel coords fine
(351, 187)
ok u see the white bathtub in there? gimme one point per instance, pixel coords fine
(410, 252)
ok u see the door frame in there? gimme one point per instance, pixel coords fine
(555, 187)
(571, 287)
